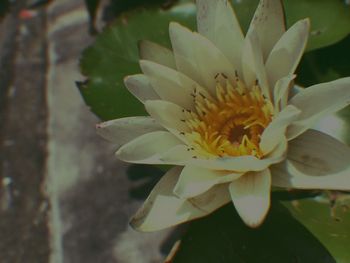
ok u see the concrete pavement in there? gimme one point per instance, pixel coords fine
(62, 180)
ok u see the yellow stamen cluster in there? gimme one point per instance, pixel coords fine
(229, 123)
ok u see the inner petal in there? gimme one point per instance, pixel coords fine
(230, 122)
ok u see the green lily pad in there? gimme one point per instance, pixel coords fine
(223, 238)
(331, 226)
(330, 20)
(325, 64)
(114, 54)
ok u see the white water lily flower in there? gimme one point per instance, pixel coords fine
(220, 111)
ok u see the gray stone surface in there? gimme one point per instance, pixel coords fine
(64, 197)
(23, 112)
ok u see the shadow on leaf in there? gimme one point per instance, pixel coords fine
(222, 237)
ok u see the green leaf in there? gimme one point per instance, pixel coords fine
(223, 238)
(115, 55)
(331, 226)
(330, 20)
(4, 7)
(325, 64)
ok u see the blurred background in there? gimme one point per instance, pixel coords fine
(63, 195)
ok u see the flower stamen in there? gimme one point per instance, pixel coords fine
(231, 122)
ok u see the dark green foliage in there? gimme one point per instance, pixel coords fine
(222, 237)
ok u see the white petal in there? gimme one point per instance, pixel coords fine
(242, 163)
(253, 64)
(198, 58)
(317, 101)
(156, 53)
(179, 154)
(171, 85)
(275, 131)
(333, 125)
(287, 52)
(217, 21)
(251, 196)
(140, 87)
(321, 153)
(194, 180)
(168, 114)
(121, 131)
(288, 175)
(248, 63)
(268, 22)
(281, 92)
(163, 209)
(149, 148)
(315, 161)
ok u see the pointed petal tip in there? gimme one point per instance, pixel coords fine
(251, 197)
(183, 193)
(146, 65)
(135, 224)
(303, 25)
(98, 126)
(306, 21)
(143, 62)
(127, 79)
(143, 45)
(253, 213)
(119, 154)
(173, 25)
(138, 225)
(176, 26)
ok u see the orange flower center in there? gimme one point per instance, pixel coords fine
(231, 122)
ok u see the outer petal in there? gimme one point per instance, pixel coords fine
(315, 160)
(140, 87)
(156, 53)
(268, 22)
(281, 92)
(286, 54)
(198, 58)
(194, 180)
(333, 125)
(288, 175)
(253, 64)
(317, 153)
(163, 209)
(275, 132)
(149, 148)
(121, 131)
(172, 85)
(251, 196)
(217, 21)
(317, 101)
(168, 114)
(248, 63)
